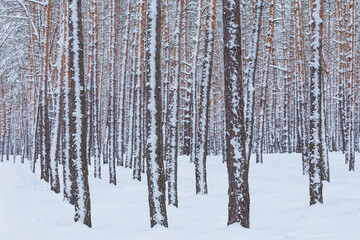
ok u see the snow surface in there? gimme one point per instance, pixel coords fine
(279, 205)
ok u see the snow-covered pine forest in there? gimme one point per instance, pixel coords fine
(179, 119)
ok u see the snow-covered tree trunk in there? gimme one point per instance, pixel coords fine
(3, 127)
(236, 157)
(78, 121)
(286, 76)
(95, 91)
(154, 144)
(111, 124)
(123, 77)
(185, 84)
(45, 137)
(194, 64)
(93, 105)
(316, 157)
(250, 74)
(89, 79)
(35, 140)
(341, 69)
(138, 78)
(56, 131)
(64, 104)
(264, 80)
(206, 75)
(173, 110)
(350, 109)
(301, 74)
(165, 25)
(131, 98)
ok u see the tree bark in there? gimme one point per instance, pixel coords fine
(154, 144)
(78, 121)
(236, 157)
(316, 157)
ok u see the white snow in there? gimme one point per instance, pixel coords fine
(279, 205)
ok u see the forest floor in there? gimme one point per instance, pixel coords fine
(279, 205)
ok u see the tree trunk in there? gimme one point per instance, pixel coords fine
(154, 145)
(78, 121)
(201, 150)
(316, 157)
(236, 157)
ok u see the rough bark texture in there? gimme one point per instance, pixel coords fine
(173, 111)
(236, 158)
(154, 144)
(78, 121)
(316, 157)
(201, 149)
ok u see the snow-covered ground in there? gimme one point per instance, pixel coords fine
(279, 205)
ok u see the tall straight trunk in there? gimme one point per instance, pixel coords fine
(350, 109)
(78, 121)
(130, 108)
(185, 84)
(244, 37)
(316, 157)
(236, 157)
(250, 75)
(138, 78)
(123, 78)
(20, 111)
(154, 145)
(174, 98)
(131, 98)
(286, 77)
(44, 100)
(201, 150)
(143, 102)
(95, 91)
(264, 80)
(56, 131)
(301, 73)
(89, 80)
(92, 76)
(165, 25)
(340, 7)
(3, 126)
(111, 125)
(65, 106)
(195, 58)
(100, 82)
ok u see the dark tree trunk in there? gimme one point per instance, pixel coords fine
(316, 158)
(236, 158)
(78, 121)
(201, 150)
(154, 143)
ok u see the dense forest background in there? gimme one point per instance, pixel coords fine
(291, 54)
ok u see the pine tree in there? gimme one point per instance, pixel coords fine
(139, 70)
(78, 121)
(264, 79)
(250, 74)
(173, 110)
(316, 157)
(154, 144)
(236, 157)
(195, 59)
(201, 150)
(111, 121)
(45, 138)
